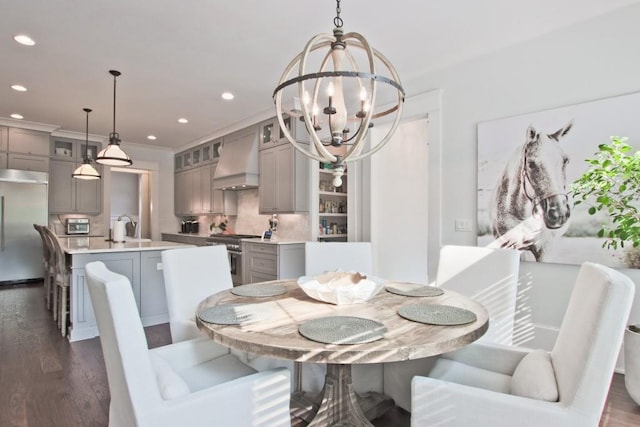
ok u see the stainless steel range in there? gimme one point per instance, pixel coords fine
(234, 248)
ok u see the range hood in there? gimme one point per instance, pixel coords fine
(238, 165)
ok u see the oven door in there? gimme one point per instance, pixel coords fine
(235, 261)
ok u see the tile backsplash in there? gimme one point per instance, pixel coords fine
(249, 221)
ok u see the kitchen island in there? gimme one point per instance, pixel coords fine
(139, 260)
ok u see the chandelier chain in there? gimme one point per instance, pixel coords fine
(337, 21)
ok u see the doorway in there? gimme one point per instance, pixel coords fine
(131, 197)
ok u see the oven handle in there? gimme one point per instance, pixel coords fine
(234, 252)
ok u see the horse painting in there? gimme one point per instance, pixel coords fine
(530, 206)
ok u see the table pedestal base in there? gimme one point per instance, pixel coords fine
(338, 404)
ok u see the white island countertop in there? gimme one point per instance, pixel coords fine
(89, 245)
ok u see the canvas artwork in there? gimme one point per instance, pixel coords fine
(526, 164)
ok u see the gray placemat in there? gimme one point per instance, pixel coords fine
(342, 330)
(259, 290)
(437, 314)
(222, 315)
(413, 290)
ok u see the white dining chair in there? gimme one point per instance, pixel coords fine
(330, 256)
(191, 275)
(489, 276)
(492, 385)
(192, 383)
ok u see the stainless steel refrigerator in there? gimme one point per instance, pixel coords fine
(23, 202)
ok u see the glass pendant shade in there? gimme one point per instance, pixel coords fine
(85, 170)
(338, 86)
(112, 154)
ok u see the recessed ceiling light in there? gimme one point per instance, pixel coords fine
(19, 88)
(227, 96)
(24, 39)
(151, 137)
(17, 116)
(183, 120)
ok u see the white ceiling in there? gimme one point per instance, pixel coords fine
(177, 57)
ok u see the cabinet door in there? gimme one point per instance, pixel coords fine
(268, 189)
(285, 178)
(195, 191)
(93, 149)
(3, 138)
(206, 189)
(153, 299)
(28, 142)
(26, 162)
(181, 193)
(88, 195)
(61, 187)
(3, 160)
(268, 133)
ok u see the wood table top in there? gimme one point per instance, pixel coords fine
(278, 336)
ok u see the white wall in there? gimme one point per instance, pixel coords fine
(592, 60)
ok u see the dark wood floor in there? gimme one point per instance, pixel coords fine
(47, 381)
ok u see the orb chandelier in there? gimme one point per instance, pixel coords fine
(337, 103)
(85, 170)
(112, 154)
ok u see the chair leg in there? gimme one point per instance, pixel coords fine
(63, 312)
(55, 301)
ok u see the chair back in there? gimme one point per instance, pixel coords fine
(345, 256)
(191, 275)
(132, 382)
(490, 276)
(56, 252)
(586, 350)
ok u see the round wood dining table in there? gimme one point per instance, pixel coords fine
(270, 328)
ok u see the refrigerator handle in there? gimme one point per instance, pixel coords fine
(2, 223)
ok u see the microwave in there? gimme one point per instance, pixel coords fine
(77, 225)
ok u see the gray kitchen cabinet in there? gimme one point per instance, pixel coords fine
(28, 141)
(194, 193)
(284, 180)
(187, 192)
(263, 261)
(27, 162)
(272, 135)
(188, 239)
(3, 138)
(69, 195)
(73, 150)
(153, 299)
(3, 160)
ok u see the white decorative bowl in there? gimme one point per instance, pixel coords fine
(341, 294)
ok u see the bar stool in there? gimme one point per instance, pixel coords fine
(48, 261)
(62, 280)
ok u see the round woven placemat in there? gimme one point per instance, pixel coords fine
(437, 314)
(342, 330)
(413, 290)
(222, 315)
(258, 290)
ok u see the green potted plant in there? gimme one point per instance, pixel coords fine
(611, 185)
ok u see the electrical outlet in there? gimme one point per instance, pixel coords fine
(462, 224)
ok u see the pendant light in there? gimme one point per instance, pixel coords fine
(85, 170)
(337, 102)
(112, 154)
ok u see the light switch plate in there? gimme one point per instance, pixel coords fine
(462, 224)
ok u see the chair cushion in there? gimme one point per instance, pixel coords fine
(534, 377)
(171, 385)
(461, 373)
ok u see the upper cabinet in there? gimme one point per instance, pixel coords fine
(28, 141)
(73, 150)
(271, 134)
(194, 193)
(69, 195)
(284, 180)
(3, 138)
(27, 149)
(66, 194)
